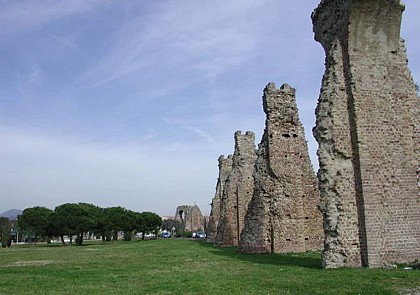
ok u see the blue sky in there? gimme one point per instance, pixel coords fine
(130, 103)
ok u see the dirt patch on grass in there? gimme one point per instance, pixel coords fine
(30, 263)
(415, 291)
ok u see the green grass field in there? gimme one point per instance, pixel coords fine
(177, 266)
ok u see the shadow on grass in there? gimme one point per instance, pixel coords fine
(310, 260)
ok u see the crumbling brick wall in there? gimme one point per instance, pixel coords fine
(190, 217)
(225, 168)
(238, 190)
(283, 215)
(367, 130)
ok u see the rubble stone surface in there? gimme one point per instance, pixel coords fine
(225, 168)
(368, 133)
(190, 217)
(238, 190)
(283, 215)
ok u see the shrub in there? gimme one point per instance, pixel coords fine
(127, 236)
(185, 234)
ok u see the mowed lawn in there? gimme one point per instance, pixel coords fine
(178, 266)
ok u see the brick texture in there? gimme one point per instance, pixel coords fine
(368, 133)
(225, 168)
(238, 190)
(283, 215)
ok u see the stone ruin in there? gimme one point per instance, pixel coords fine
(368, 133)
(225, 168)
(283, 215)
(237, 191)
(190, 217)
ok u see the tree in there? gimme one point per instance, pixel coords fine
(5, 238)
(56, 227)
(148, 222)
(35, 221)
(168, 224)
(103, 227)
(115, 219)
(76, 219)
(89, 220)
(129, 225)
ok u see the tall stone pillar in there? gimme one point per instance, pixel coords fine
(283, 215)
(190, 217)
(196, 219)
(367, 129)
(238, 190)
(225, 168)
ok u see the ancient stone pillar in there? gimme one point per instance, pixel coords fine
(190, 217)
(367, 118)
(196, 219)
(181, 215)
(238, 190)
(225, 168)
(283, 215)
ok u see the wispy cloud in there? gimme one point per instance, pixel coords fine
(29, 79)
(202, 134)
(66, 41)
(26, 14)
(197, 40)
(131, 102)
(54, 169)
(35, 75)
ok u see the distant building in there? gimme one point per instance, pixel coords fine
(190, 217)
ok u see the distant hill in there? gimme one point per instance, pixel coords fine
(11, 214)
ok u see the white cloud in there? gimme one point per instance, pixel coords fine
(194, 39)
(35, 75)
(67, 41)
(29, 79)
(199, 65)
(202, 134)
(38, 169)
(28, 14)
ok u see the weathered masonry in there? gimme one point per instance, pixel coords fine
(283, 215)
(238, 190)
(368, 133)
(225, 168)
(190, 217)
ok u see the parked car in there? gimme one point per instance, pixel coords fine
(165, 235)
(200, 235)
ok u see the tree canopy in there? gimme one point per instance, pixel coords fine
(81, 218)
(148, 222)
(118, 219)
(168, 224)
(35, 221)
(76, 219)
(4, 232)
